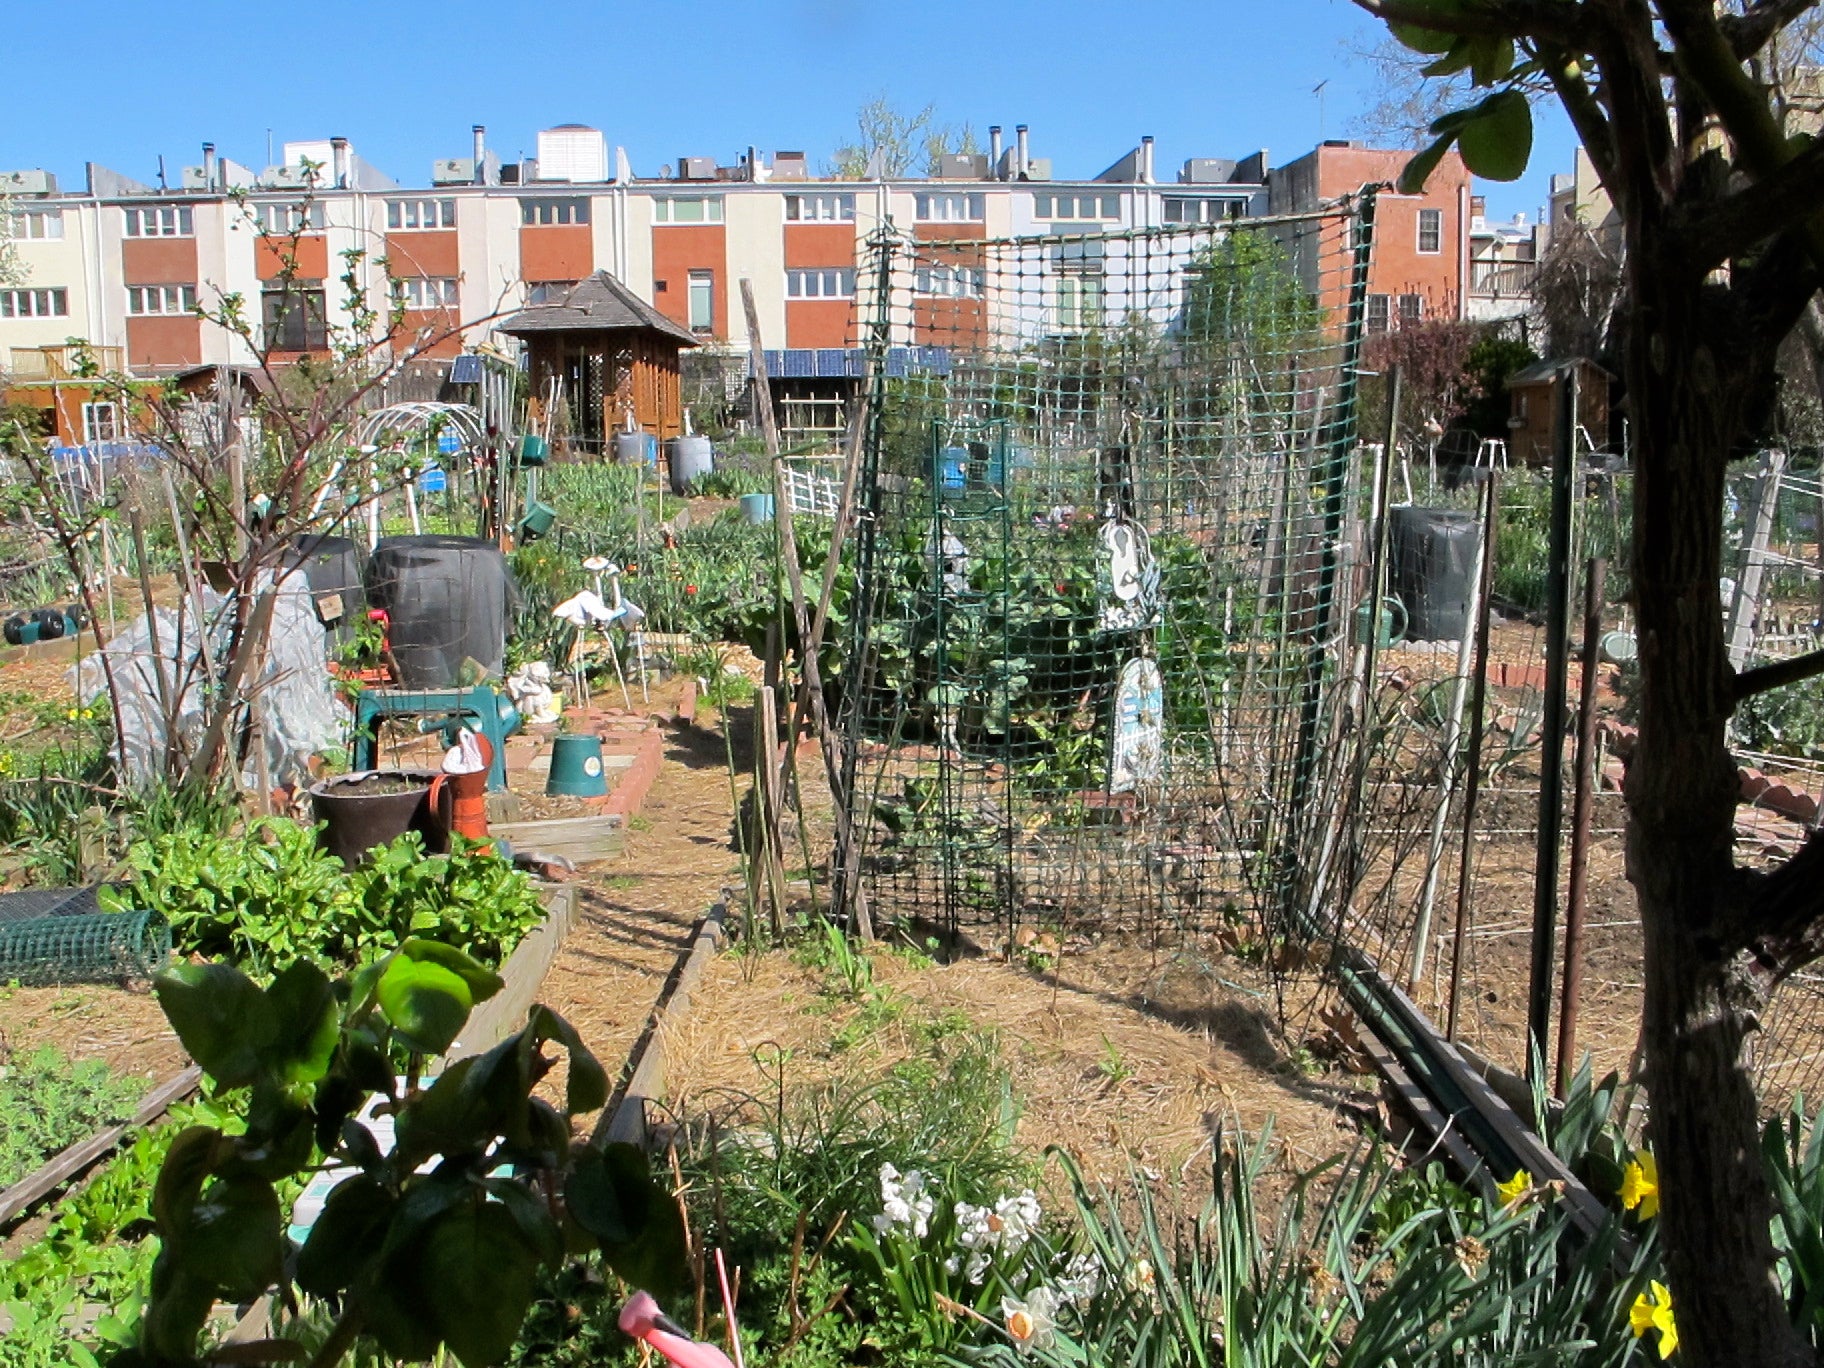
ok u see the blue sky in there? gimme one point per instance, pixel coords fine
(121, 83)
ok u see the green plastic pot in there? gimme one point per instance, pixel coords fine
(576, 766)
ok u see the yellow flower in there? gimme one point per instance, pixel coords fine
(1652, 1310)
(1640, 1185)
(1514, 1189)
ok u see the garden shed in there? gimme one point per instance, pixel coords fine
(1533, 421)
(610, 354)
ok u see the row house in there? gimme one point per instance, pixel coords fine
(305, 245)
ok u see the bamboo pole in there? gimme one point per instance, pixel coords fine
(1581, 804)
(1472, 786)
(788, 547)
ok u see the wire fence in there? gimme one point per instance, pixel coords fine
(1102, 536)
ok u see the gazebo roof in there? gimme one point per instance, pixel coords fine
(599, 304)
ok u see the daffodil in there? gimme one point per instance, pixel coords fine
(1030, 1322)
(1640, 1185)
(1652, 1310)
(1514, 1189)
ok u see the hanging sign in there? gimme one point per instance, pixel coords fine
(1127, 577)
(1138, 754)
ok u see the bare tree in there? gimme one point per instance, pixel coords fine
(889, 143)
(1577, 292)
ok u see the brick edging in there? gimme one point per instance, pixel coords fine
(1757, 789)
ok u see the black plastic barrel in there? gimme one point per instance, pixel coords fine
(332, 572)
(1434, 563)
(448, 600)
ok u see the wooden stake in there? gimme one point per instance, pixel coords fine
(1582, 800)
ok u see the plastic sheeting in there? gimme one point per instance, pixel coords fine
(294, 703)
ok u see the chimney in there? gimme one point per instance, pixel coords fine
(481, 152)
(1019, 152)
(208, 166)
(1146, 159)
(338, 152)
(994, 151)
(753, 163)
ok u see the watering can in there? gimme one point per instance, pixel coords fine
(1389, 624)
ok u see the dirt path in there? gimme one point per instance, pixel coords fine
(635, 914)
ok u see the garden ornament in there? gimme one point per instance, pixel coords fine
(642, 1319)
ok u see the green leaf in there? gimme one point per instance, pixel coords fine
(347, 1236)
(426, 1003)
(1425, 40)
(587, 1088)
(307, 1021)
(477, 1275)
(483, 982)
(220, 1016)
(233, 1239)
(1498, 142)
(1419, 169)
(473, 1101)
(1491, 59)
(193, 1156)
(612, 1194)
(536, 1224)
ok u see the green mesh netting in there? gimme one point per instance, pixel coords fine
(86, 948)
(1092, 663)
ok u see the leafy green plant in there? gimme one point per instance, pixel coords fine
(271, 895)
(429, 1245)
(47, 1103)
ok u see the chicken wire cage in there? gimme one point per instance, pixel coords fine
(1093, 663)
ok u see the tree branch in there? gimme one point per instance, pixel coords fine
(1730, 228)
(1778, 674)
(1749, 32)
(1785, 911)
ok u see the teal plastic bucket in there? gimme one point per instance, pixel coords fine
(576, 766)
(539, 519)
(757, 508)
(533, 450)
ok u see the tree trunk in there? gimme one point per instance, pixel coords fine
(1692, 382)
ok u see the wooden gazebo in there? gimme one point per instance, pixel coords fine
(611, 353)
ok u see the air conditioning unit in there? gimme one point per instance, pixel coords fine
(453, 171)
(28, 182)
(1038, 169)
(290, 178)
(696, 168)
(790, 166)
(194, 179)
(962, 166)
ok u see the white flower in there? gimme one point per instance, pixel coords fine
(975, 1228)
(1018, 1219)
(1081, 1279)
(1030, 1320)
(905, 1201)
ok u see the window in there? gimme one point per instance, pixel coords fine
(295, 319)
(952, 208)
(950, 282)
(1412, 309)
(546, 213)
(100, 423)
(1431, 230)
(425, 292)
(1377, 313)
(820, 208)
(409, 214)
(1183, 210)
(702, 301)
(286, 219)
(1077, 207)
(549, 291)
(52, 303)
(1079, 301)
(150, 300)
(32, 224)
(829, 282)
(687, 209)
(160, 220)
